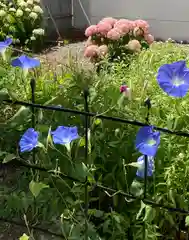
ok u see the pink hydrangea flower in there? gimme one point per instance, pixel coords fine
(118, 30)
(138, 32)
(125, 22)
(103, 50)
(146, 30)
(143, 25)
(114, 34)
(134, 45)
(149, 38)
(91, 30)
(91, 51)
(132, 25)
(103, 28)
(109, 20)
(122, 21)
(123, 29)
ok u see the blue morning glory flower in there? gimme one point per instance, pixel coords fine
(150, 166)
(64, 135)
(29, 140)
(147, 141)
(174, 78)
(25, 62)
(5, 44)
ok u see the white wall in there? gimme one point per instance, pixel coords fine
(167, 18)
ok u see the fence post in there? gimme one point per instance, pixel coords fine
(33, 85)
(148, 105)
(86, 108)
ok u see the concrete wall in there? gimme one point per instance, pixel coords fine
(167, 18)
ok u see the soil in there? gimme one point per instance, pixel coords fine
(9, 234)
(8, 231)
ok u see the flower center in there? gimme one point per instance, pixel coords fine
(151, 142)
(177, 81)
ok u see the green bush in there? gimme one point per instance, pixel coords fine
(22, 21)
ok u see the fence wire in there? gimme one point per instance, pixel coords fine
(87, 114)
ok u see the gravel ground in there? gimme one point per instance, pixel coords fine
(57, 56)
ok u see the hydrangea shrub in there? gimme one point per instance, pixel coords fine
(116, 37)
(21, 20)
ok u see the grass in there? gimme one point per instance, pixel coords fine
(112, 143)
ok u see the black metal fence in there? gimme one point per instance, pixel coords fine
(87, 114)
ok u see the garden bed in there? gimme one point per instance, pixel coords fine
(61, 55)
(51, 190)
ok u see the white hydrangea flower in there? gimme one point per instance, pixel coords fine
(17, 41)
(33, 15)
(37, 1)
(27, 10)
(32, 38)
(6, 25)
(30, 2)
(12, 28)
(2, 5)
(12, 10)
(38, 9)
(39, 31)
(22, 4)
(2, 13)
(10, 18)
(181, 155)
(19, 13)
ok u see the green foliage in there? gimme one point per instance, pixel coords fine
(59, 203)
(187, 221)
(21, 20)
(36, 187)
